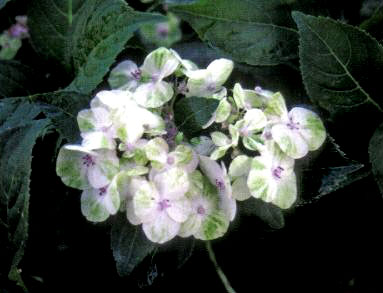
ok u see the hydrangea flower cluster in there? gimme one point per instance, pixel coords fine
(133, 159)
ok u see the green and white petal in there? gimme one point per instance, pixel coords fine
(125, 76)
(215, 225)
(240, 166)
(220, 70)
(290, 141)
(172, 183)
(185, 158)
(179, 210)
(240, 189)
(234, 133)
(98, 204)
(198, 83)
(212, 170)
(255, 119)
(160, 63)
(162, 229)
(276, 109)
(157, 150)
(153, 95)
(253, 142)
(191, 226)
(112, 100)
(260, 182)
(220, 139)
(70, 166)
(86, 121)
(239, 96)
(310, 127)
(98, 140)
(223, 111)
(145, 202)
(105, 168)
(219, 152)
(91, 206)
(286, 193)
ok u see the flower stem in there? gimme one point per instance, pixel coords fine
(218, 269)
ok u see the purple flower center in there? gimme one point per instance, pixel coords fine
(102, 191)
(136, 74)
(170, 160)
(211, 87)
(163, 204)
(220, 185)
(293, 125)
(201, 210)
(268, 135)
(18, 31)
(162, 30)
(88, 161)
(277, 172)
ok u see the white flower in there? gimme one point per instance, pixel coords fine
(81, 168)
(206, 221)
(296, 132)
(183, 156)
(217, 175)
(206, 82)
(154, 92)
(272, 178)
(98, 203)
(125, 76)
(161, 204)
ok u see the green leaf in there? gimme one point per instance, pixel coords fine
(16, 79)
(18, 134)
(376, 156)
(330, 171)
(3, 2)
(257, 32)
(340, 64)
(62, 108)
(165, 260)
(129, 244)
(86, 36)
(192, 113)
(267, 212)
(373, 25)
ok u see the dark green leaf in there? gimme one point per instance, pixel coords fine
(16, 79)
(3, 2)
(340, 65)
(85, 37)
(129, 244)
(165, 260)
(267, 212)
(376, 156)
(17, 138)
(257, 32)
(190, 114)
(328, 172)
(62, 108)
(373, 25)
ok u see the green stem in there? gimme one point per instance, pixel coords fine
(218, 269)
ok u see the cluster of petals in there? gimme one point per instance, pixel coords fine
(129, 160)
